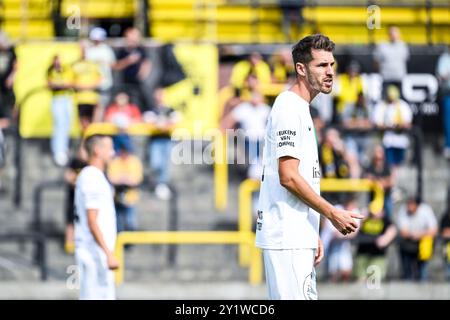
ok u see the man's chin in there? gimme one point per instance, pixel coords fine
(326, 90)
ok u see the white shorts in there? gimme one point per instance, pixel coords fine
(96, 280)
(290, 274)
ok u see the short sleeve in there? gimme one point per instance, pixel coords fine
(445, 221)
(431, 219)
(407, 112)
(91, 193)
(377, 54)
(406, 52)
(286, 128)
(111, 57)
(239, 113)
(377, 115)
(121, 54)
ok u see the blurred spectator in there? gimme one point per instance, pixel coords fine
(164, 118)
(87, 78)
(103, 55)
(230, 97)
(417, 227)
(292, 11)
(379, 171)
(356, 118)
(337, 247)
(349, 88)
(391, 59)
(60, 82)
(319, 124)
(323, 103)
(95, 224)
(251, 117)
(254, 64)
(8, 69)
(282, 67)
(136, 67)
(125, 172)
(334, 159)
(122, 113)
(443, 75)
(445, 235)
(393, 115)
(375, 234)
(70, 177)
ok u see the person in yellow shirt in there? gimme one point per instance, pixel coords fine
(230, 97)
(350, 87)
(87, 79)
(60, 82)
(125, 172)
(255, 65)
(282, 69)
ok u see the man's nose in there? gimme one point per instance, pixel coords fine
(330, 70)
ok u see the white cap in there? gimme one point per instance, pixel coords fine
(97, 34)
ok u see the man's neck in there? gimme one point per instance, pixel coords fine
(98, 163)
(303, 90)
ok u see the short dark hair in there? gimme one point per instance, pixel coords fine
(93, 141)
(301, 52)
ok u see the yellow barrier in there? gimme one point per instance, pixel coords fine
(220, 171)
(247, 187)
(191, 237)
(136, 129)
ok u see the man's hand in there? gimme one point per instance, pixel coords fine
(319, 253)
(112, 261)
(344, 221)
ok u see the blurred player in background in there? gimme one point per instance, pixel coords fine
(95, 226)
(290, 201)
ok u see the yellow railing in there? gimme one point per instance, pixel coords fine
(137, 129)
(221, 172)
(246, 239)
(247, 187)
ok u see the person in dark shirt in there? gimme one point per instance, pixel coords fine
(380, 171)
(374, 236)
(8, 68)
(132, 60)
(70, 176)
(444, 232)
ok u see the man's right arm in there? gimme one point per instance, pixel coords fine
(291, 179)
(98, 236)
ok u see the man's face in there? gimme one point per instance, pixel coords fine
(105, 149)
(394, 34)
(319, 71)
(411, 207)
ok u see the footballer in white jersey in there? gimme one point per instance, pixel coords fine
(290, 204)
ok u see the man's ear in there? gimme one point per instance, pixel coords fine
(300, 68)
